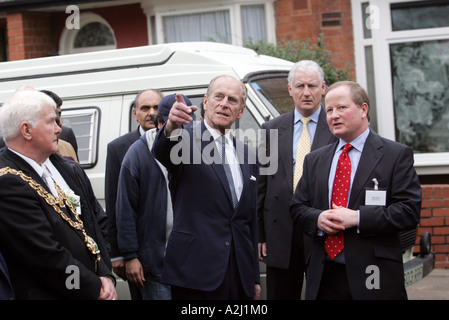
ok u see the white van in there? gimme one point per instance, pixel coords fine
(97, 88)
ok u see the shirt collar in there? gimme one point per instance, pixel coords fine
(141, 131)
(314, 117)
(215, 134)
(39, 170)
(358, 143)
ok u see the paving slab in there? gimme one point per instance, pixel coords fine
(435, 286)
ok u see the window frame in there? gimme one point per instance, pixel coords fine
(159, 10)
(381, 38)
(94, 132)
(68, 36)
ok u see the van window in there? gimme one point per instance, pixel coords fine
(273, 90)
(85, 123)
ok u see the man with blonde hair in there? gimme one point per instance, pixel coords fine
(354, 198)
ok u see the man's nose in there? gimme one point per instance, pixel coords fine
(306, 91)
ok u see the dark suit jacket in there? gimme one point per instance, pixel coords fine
(38, 245)
(206, 227)
(116, 151)
(377, 243)
(275, 191)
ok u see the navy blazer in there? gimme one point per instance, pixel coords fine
(206, 227)
(376, 241)
(116, 151)
(142, 208)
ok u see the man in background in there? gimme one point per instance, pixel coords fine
(144, 109)
(304, 128)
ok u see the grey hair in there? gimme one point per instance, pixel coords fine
(305, 65)
(22, 106)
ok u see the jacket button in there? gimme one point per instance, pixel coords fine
(227, 243)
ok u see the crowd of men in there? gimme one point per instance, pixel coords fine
(179, 228)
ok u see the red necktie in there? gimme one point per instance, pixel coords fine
(335, 242)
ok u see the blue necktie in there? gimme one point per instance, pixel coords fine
(227, 170)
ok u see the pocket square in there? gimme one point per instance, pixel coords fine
(252, 178)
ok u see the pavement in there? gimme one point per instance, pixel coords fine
(435, 286)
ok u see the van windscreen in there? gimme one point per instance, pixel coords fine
(273, 90)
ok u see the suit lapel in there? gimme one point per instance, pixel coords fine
(368, 161)
(325, 161)
(66, 172)
(242, 158)
(285, 138)
(323, 135)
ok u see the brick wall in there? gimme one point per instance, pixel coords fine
(435, 219)
(299, 20)
(29, 35)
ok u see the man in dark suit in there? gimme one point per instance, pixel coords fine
(212, 249)
(67, 133)
(280, 247)
(144, 109)
(51, 240)
(382, 198)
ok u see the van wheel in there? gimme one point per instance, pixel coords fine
(425, 244)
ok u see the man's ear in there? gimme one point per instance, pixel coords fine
(25, 130)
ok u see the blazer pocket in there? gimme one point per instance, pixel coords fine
(390, 253)
(179, 236)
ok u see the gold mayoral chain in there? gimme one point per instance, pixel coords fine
(57, 204)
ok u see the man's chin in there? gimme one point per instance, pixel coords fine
(149, 126)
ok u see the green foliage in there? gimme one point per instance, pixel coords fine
(296, 50)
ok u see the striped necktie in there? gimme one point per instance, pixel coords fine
(48, 178)
(302, 149)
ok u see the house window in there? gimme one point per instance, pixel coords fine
(253, 23)
(402, 58)
(198, 27)
(94, 34)
(233, 24)
(420, 78)
(419, 15)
